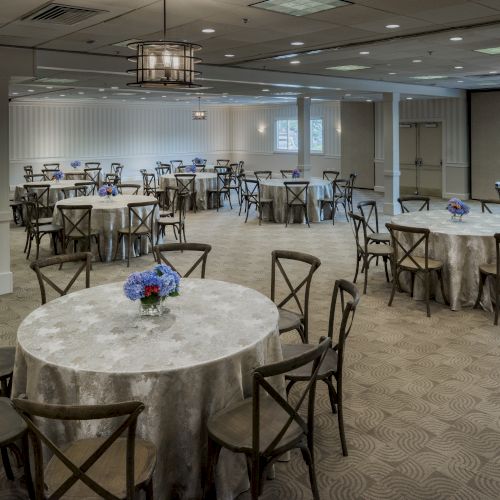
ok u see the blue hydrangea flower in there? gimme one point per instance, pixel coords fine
(457, 207)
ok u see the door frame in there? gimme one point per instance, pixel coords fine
(443, 145)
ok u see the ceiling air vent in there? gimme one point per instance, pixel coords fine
(56, 13)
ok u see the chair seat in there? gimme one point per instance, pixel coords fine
(289, 320)
(7, 356)
(298, 203)
(266, 200)
(49, 228)
(374, 249)
(44, 220)
(135, 231)
(109, 471)
(81, 236)
(488, 269)
(328, 366)
(410, 265)
(232, 427)
(15, 203)
(380, 237)
(12, 426)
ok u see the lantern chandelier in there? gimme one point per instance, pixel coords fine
(199, 114)
(164, 63)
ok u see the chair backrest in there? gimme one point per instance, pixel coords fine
(360, 232)
(128, 188)
(406, 241)
(86, 187)
(34, 177)
(223, 163)
(181, 169)
(49, 173)
(261, 175)
(93, 164)
(163, 169)
(75, 191)
(296, 192)
(159, 250)
(85, 258)
(93, 174)
(76, 220)
(148, 183)
(119, 170)
(279, 257)
(42, 197)
(52, 166)
(252, 190)
(286, 174)
(28, 169)
(262, 388)
(125, 413)
(369, 211)
(176, 164)
(330, 175)
(352, 178)
(111, 178)
(340, 187)
(423, 203)
(347, 296)
(185, 183)
(223, 178)
(486, 205)
(32, 213)
(113, 167)
(221, 169)
(141, 216)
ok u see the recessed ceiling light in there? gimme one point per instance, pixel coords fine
(490, 51)
(30, 90)
(15, 93)
(228, 55)
(143, 98)
(208, 30)
(62, 95)
(297, 44)
(459, 67)
(392, 73)
(364, 53)
(368, 100)
(115, 88)
(348, 95)
(164, 96)
(428, 77)
(265, 90)
(49, 87)
(104, 97)
(81, 93)
(295, 62)
(492, 72)
(460, 81)
(409, 98)
(285, 56)
(348, 67)
(312, 52)
(392, 26)
(417, 60)
(456, 39)
(101, 90)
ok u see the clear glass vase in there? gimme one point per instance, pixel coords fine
(152, 307)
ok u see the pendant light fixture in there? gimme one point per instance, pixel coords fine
(199, 114)
(164, 63)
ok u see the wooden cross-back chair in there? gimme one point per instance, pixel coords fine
(111, 179)
(186, 189)
(297, 196)
(113, 167)
(222, 187)
(87, 188)
(85, 259)
(52, 166)
(406, 242)
(163, 169)
(34, 177)
(176, 164)
(366, 251)
(160, 250)
(133, 188)
(369, 211)
(118, 171)
(140, 224)
(423, 203)
(491, 271)
(38, 226)
(339, 197)
(111, 467)
(93, 164)
(330, 175)
(176, 220)
(266, 425)
(49, 173)
(292, 320)
(93, 175)
(262, 175)
(77, 227)
(286, 174)
(485, 205)
(149, 186)
(41, 195)
(251, 196)
(346, 298)
(223, 163)
(74, 191)
(28, 169)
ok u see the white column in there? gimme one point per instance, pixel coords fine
(5, 272)
(304, 120)
(391, 153)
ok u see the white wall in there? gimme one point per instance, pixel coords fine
(253, 136)
(452, 113)
(136, 135)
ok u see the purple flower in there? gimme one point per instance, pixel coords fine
(76, 163)
(295, 173)
(162, 281)
(58, 175)
(108, 190)
(457, 207)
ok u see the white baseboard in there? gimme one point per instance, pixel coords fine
(379, 189)
(6, 283)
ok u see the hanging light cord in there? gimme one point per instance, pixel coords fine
(164, 20)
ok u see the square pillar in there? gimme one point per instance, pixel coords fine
(304, 125)
(6, 285)
(391, 153)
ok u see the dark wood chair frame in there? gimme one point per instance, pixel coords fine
(339, 196)
(286, 174)
(222, 163)
(263, 175)
(186, 188)
(135, 187)
(88, 187)
(330, 175)
(259, 460)
(404, 199)
(183, 247)
(485, 203)
(163, 169)
(222, 188)
(36, 230)
(149, 186)
(86, 262)
(93, 164)
(41, 194)
(294, 199)
(252, 197)
(48, 173)
(282, 255)
(369, 211)
(176, 164)
(93, 174)
(178, 224)
(482, 280)
(53, 166)
(128, 413)
(347, 295)
(34, 177)
(407, 252)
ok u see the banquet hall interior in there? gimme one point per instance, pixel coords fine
(250, 249)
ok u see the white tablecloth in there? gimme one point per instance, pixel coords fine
(202, 183)
(462, 247)
(275, 190)
(107, 217)
(91, 347)
(55, 193)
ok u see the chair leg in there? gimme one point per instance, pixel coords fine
(386, 270)
(208, 473)
(497, 302)
(98, 247)
(412, 284)
(357, 268)
(6, 464)
(149, 490)
(308, 459)
(332, 395)
(255, 480)
(27, 467)
(428, 293)
(366, 265)
(395, 278)
(340, 417)
(482, 279)
(120, 237)
(441, 281)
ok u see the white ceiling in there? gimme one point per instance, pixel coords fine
(426, 27)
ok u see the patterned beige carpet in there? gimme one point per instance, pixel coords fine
(422, 396)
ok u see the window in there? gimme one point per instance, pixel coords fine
(287, 135)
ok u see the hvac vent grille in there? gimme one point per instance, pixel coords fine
(56, 13)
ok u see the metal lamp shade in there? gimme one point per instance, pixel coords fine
(199, 115)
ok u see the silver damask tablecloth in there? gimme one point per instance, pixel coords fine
(462, 247)
(91, 347)
(107, 217)
(55, 192)
(317, 190)
(203, 182)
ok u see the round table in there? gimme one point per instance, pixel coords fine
(55, 192)
(202, 183)
(318, 189)
(107, 217)
(184, 366)
(462, 247)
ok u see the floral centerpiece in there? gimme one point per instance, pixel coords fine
(457, 209)
(108, 190)
(76, 163)
(58, 175)
(191, 169)
(295, 173)
(152, 288)
(197, 161)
